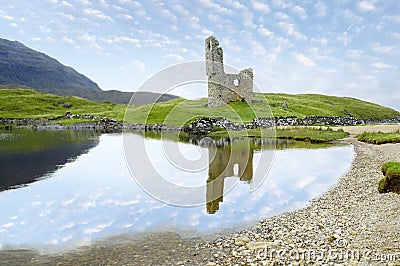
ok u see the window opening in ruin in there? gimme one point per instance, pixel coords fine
(236, 82)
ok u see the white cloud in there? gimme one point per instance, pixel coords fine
(235, 4)
(65, 4)
(163, 11)
(304, 60)
(45, 29)
(290, 30)
(123, 39)
(380, 65)
(217, 7)
(281, 16)
(248, 19)
(125, 16)
(175, 57)
(67, 40)
(300, 11)
(193, 22)
(87, 37)
(206, 32)
(97, 13)
(395, 19)
(366, 6)
(345, 38)
(139, 64)
(260, 6)
(181, 10)
(264, 31)
(281, 3)
(351, 16)
(84, 2)
(357, 54)
(67, 16)
(396, 35)
(321, 9)
(104, 4)
(257, 48)
(7, 17)
(231, 45)
(320, 41)
(384, 49)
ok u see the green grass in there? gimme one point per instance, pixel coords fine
(391, 181)
(379, 137)
(178, 111)
(301, 105)
(313, 135)
(25, 103)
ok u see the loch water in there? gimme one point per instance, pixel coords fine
(63, 189)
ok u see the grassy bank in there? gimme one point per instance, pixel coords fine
(313, 135)
(379, 137)
(178, 111)
(25, 103)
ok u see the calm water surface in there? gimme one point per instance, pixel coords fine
(80, 188)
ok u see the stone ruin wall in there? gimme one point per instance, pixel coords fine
(224, 88)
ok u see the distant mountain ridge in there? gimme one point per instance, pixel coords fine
(23, 67)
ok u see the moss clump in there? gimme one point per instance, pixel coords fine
(391, 181)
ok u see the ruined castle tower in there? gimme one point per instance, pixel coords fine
(224, 88)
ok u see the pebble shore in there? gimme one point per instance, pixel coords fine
(351, 224)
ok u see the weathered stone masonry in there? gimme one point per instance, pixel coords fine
(222, 87)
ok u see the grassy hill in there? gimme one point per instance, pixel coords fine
(25, 103)
(179, 111)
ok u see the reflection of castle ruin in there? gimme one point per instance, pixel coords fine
(223, 161)
(224, 88)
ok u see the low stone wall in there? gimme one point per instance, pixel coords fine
(207, 124)
(199, 127)
(306, 121)
(102, 124)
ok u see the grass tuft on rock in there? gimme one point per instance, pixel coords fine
(391, 181)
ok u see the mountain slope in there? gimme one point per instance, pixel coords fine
(22, 67)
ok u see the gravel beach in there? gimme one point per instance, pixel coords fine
(351, 224)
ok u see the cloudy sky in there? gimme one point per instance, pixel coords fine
(340, 47)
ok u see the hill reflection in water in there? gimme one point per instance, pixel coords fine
(29, 155)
